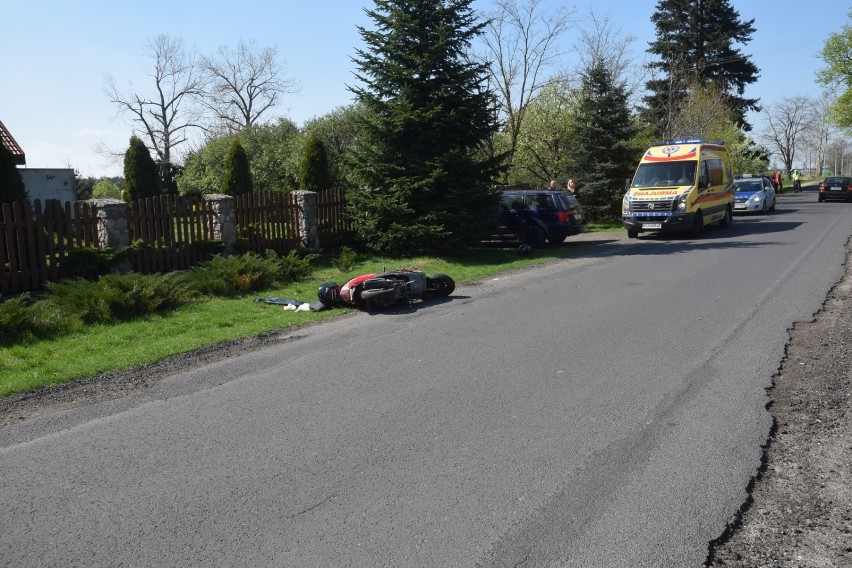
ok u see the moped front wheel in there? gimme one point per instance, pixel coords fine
(439, 285)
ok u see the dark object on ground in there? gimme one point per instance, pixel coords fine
(383, 290)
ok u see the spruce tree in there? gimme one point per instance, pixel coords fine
(601, 155)
(424, 186)
(695, 44)
(141, 174)
(11, 183)
(314, 174)
(237, 179)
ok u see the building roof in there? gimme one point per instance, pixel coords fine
(10, 144)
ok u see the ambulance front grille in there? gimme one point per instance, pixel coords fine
(652, 206)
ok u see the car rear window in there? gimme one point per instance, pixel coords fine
(835, 181)
(569, 201)
(541, 201)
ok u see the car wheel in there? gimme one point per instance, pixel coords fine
(763, 209)
(556, 239)
(697, 226)
(533, 236)
(632, 233)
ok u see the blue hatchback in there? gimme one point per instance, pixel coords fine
(538, 216)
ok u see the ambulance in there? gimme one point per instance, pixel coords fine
(680, 186)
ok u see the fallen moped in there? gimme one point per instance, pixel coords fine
(385, 289)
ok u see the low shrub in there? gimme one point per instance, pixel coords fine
(345, 260)
(117, 297)
(233, 275)
(23, 320)
(295, 265)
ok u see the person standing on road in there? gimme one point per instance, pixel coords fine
(777, 177)
(554, 186)
(797, 182)
(571, 187)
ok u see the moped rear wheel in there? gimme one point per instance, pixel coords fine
(379, 297)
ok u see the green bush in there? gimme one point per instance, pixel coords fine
(117, 297)
(23, 320)
(295, 265)
(345, 260)
(233, 275)
(88, 262)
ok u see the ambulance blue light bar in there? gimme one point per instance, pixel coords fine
(686, 141)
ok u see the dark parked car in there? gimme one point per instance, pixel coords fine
(835, 187)
(536, 216)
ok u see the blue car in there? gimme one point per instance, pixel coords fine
(538, 216)
(754, 195)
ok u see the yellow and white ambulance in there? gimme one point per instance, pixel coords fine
(680, 185)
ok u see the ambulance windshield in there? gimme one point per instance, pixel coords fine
(665, 174)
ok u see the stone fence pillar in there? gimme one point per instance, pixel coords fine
(306, 201)
(113, 228)
(224, 220)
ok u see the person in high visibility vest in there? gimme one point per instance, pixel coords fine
(797, 182)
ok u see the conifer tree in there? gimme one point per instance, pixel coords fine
(604, 158)
(314, 174)
(141, 174)
(237, 179)
(695, 44)
(424, 187)
(11, 183)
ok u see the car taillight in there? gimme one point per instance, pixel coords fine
(562, 216)
(822, 187)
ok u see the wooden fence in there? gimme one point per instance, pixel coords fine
(35, 242)
(332, 225)
(267, 220)
(174, 230)
(175, 233)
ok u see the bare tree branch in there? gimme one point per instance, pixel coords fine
(599, 41)
(786, 122)
(244, 84)
(165, 119)
(520, 45)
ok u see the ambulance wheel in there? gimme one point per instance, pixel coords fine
(632, 233)
(726, 220)
(697, 226)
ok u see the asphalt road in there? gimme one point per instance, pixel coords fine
(605, 410)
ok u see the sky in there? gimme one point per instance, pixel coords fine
(54, 56)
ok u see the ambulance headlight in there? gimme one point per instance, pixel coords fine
(681, 204)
